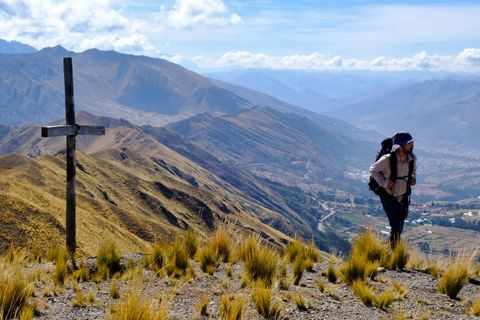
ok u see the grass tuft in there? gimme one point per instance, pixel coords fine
(208, 259)
(298, 267)
(190, 242)
(260, 262)
(231, 308)
(108, 260)
(475, 307)
(202, 305)
(294, 249)
(136, 306)
(331, 273)
(114, 290)
(265, 304)
(300, 302)
(222, 243)
(358, 267)
(455, 277)
(14, 291)
(364, 292)
(177, 262)
(370, 246)
(399, 257)
(155, 260)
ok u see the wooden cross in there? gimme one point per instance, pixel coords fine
(70, 130)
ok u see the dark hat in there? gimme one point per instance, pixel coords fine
(401, 139)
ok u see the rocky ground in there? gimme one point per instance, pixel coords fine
(337, 301)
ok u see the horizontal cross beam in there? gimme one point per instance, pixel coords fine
(72, 130)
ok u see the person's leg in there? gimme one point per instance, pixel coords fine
(396, 217)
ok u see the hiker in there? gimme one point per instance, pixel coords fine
(394, 186)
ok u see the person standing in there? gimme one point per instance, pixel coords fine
(397, 183)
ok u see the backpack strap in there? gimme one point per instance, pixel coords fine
(393, 166)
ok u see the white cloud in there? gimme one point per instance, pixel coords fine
(191, 13)
(466, 61)
(470, 55)
(77, 25)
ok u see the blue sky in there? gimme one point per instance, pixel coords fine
(383, 35)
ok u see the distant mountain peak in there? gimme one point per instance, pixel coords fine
(14, 47)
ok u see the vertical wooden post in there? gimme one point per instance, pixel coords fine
(70, 155)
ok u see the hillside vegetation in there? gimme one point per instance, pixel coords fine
(228, 276)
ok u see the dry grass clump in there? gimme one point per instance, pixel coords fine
(14, 290)
(260, 262)
(108, 260)
(56, 253)
(82, 274)
(61, 272)
(114, 290)
(370, 246)
(358, 267)
(399, 257)
(177, 259)
(369, 298)
(475, 307)
(300, 302)
(284, 282)
(208, 259)
(298, 267)
(190, 242)
(367, 253)
(293, 249)
(136, 307)
(331, 273)
(222, 243)
(454, 277)
(155, 260)
(263, 299)
(202, 304)
(231, 307)
(79, 301)
(364, 292)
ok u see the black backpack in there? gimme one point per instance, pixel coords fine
(386, 149)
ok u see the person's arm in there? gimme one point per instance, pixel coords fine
(414, 172)
(377, 170)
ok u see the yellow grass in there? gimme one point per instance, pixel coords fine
(260, 262)
(79, 301)
(364, 292)
(190, 242)
(358, 267)
(331, 273)
(369, 245)
(155, 260)
(454, 277)
(321, 285)
(264, 301)
(298, 267)
(399, 257)
(136, 307)
(14, 291)
(208, 259)
(231, 307)
(300, 302)
(114, 290)
(222, 243)
(177, 259)
(202, 304)
(293, 249)
(108, 260)
(60, 273)
(475, 307)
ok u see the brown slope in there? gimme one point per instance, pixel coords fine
(282, 147)
(121, 195)
(186, 160)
